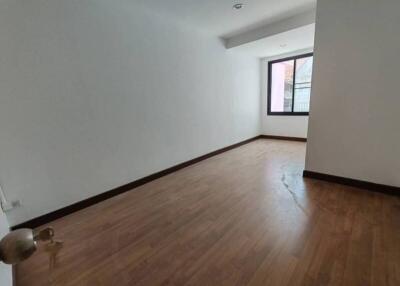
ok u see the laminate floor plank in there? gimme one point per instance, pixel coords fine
(246, 217)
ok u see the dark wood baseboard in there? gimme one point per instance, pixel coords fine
(44, 219)
(299, 139)
(389, 190)
(14, 275)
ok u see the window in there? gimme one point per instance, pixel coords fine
(289, 85)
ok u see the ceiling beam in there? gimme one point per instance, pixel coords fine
(271, 29)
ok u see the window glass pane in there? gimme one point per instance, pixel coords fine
(302, 88)
(282, 86)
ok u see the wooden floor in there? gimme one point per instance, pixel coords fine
(246, 217)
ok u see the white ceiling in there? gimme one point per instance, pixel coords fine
(293, 40)
(220, 19)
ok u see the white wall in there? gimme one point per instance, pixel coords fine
(5, 270)
(289, 126)
(354, 122)
(98, 93)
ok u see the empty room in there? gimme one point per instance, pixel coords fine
(199, 142)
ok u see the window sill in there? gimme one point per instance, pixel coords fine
(288, 114)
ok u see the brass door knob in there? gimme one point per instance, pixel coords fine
(17, 246)
(20, 244)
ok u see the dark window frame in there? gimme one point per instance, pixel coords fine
(285, 113)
